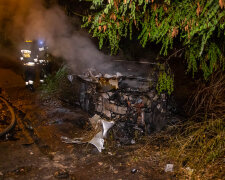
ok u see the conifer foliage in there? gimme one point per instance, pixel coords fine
(197, 24)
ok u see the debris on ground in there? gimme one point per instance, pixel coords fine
(72, 141)
(52, 121)
(95, 120)
(106, 125)
(61, 174)
(133, 171)
(98, 141)
(100, 163)
(109, 153)
(169, 168)
(130, 101)
(70, 78)
(189, 171)
(98, 138)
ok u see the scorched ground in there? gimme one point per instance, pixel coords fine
(34, 150)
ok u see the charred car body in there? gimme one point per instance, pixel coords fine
(127, 98)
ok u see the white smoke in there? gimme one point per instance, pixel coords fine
(31, 20)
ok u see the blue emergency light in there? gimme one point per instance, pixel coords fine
(41, 42)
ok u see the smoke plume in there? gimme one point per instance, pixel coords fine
(29, 19)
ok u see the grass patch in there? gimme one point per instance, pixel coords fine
(199, 143)
(54, 83)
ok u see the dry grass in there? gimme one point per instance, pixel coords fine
(196, 146)
(200, 142)
(209, 98)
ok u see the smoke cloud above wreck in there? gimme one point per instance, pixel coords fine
(25, 19)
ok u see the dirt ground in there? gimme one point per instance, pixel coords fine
(34, 150)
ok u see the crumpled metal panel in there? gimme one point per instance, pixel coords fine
(125, 98)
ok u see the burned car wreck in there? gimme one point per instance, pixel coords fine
(126, 97)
